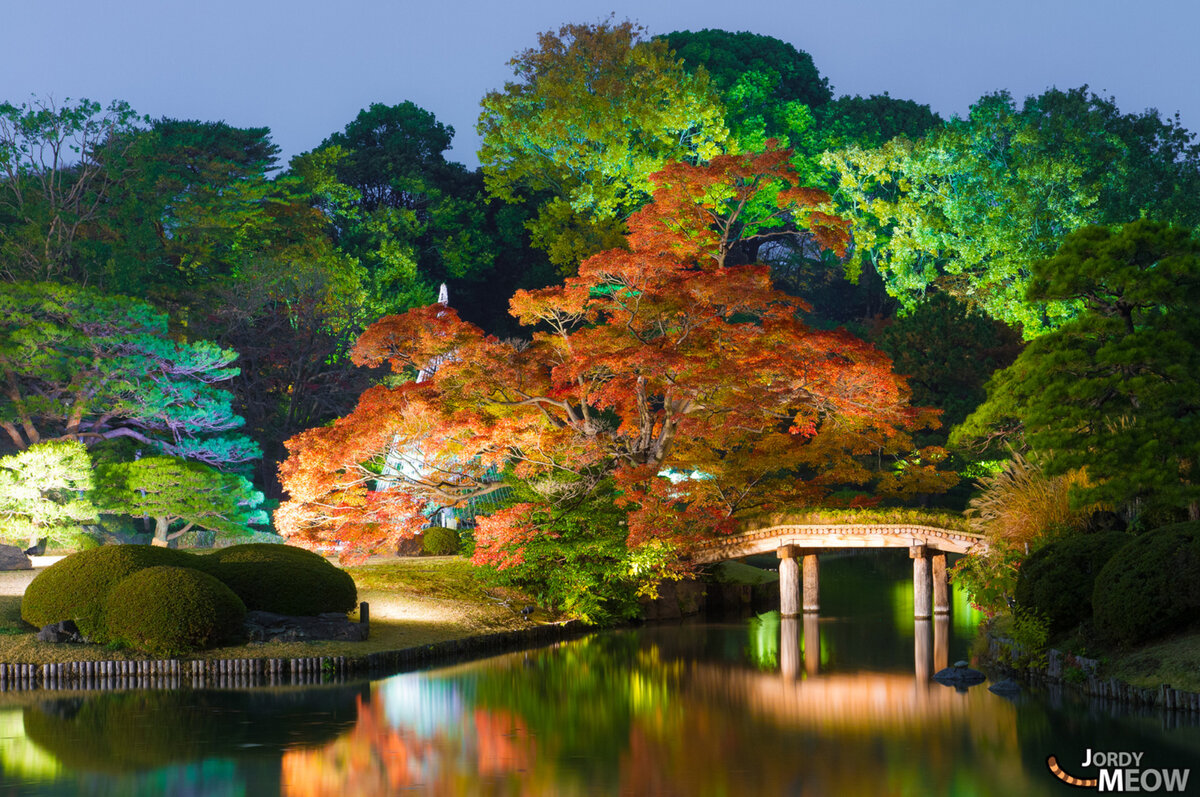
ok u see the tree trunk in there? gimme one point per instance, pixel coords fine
(161, 526)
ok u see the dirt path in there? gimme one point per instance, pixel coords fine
(14, 582)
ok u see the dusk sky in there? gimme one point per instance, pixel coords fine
(305, 68)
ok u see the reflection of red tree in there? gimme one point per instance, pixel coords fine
(372, 759)
(504, 745)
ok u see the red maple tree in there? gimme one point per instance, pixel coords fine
(692, 385)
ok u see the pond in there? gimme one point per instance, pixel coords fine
(836, 705)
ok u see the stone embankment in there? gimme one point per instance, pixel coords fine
(1067, 671)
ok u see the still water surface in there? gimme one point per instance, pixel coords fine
(840, 705)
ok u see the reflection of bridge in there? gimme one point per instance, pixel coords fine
(839, 702)
(927, 547)
(931, 646)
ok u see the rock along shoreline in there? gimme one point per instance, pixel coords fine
(1064, 671)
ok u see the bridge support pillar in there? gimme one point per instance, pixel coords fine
(812, 586)
(941, 587)
(790, 597)
(789, 581)
(922, 599)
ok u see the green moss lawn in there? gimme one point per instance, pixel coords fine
(413, 601)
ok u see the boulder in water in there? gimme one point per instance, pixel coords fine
(959, 676)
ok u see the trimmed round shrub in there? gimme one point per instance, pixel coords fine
(440, 541)
(1151, 586)
(1057, 581)
(171, 611)
(283, 579)
(76, 587)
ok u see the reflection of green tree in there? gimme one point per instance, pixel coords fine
(580, 700)
(128, 731)
(20, 757)
(764, 640)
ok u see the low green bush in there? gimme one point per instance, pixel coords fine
(440, 541)
(282, 578)
(172, 611)
(1150, 587)
(75, 588)
(1057, 581)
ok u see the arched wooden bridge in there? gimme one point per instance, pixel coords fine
(800, 542)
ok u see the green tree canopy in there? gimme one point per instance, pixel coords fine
(44, 492)
(593, 111)
(947, 349)
(770, 89)
(194, 205)
(172, 490)
(80, 365)
(1115, 391)
(54, 182)
(409, 217)
(972, 205)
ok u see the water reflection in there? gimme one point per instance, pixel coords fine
(648, 715)
(836, 704)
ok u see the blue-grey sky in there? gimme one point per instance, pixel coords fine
(305, 68)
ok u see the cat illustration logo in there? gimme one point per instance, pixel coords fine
(1083, 783)
(1121, 772)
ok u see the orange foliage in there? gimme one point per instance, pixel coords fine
(652, 358)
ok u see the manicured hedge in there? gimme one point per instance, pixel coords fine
(283, 579)
(172, 611)
(1058, 580)
(75, 588)
(440, 541)
(1151, 586)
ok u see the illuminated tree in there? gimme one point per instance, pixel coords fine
(969, 208)
(44, 492)
(770, 89)
(172, 490)
(79, 365)
(660, 358)
(1115, 391)
(593, 112)
(194, 206)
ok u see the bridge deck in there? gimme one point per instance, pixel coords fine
(834, 535)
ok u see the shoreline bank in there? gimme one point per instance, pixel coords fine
(250, 672)
(1080, 674)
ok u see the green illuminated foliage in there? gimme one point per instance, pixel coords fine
(770, 89)
(408, 216)
(174, 491)
(970, 207)
(593, 111)
(193, 205)
(967, 209)
(80, 365)
(43, 492)
(1114, 391)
